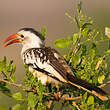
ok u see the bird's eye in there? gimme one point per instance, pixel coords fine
(22, 36)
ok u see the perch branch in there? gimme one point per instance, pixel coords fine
(33, 90)
(14, 84)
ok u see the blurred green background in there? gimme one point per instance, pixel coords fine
(16, 14)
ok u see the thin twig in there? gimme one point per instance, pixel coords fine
(103, 85)
(72, 98)
(99, 62)
(76, 105)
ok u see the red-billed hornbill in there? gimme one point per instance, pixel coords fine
(46, 63)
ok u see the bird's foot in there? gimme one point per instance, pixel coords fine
(57, 95)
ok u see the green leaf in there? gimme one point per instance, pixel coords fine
(75, 60)
(9, 65)
(84, 50)
(16, 107)
(3, 64)
(66, 14)
(107, 32)
(79, 6)
(75, 37)
(107, 52)
(101, 78)
(85, 26)
(4, 60)
(85, 96)
(3, 108)
(109, 76)
(63, 43)
(5, 90)
(17, 96)
(43, 31)
(90, 100)
(85, 32)
(32, 100)
(13, 78)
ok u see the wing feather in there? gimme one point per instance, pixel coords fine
(58, 63)
(43, 59)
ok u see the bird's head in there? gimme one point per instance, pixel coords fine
(28, 37)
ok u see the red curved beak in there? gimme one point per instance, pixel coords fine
(15, 38)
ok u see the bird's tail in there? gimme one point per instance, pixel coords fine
(87, 86)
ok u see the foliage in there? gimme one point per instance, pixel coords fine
(84, 59)
(43, 31)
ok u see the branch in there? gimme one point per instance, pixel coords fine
(22, 87)
(14, 84)
(73, 98)
(35, 91)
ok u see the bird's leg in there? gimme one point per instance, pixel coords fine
(57, 86)
(50, 87)
(58, 94)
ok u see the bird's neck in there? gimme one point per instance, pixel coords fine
(31, 45)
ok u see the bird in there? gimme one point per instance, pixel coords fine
(47, 64)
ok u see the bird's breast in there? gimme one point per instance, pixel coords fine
(43, 77)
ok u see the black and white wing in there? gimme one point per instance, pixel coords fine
(50, 62)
